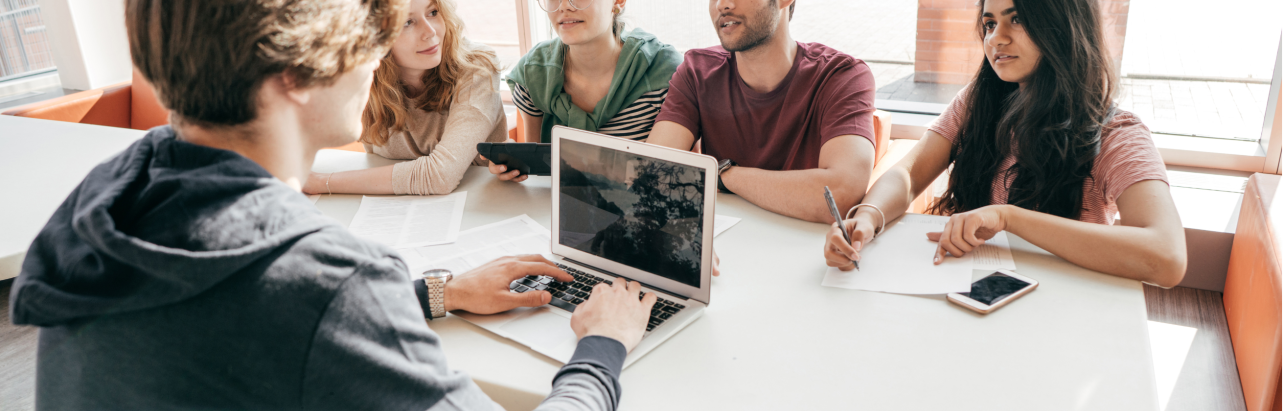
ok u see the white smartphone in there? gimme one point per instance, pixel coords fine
(994, 291)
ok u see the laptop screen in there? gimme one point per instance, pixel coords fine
(635, 210)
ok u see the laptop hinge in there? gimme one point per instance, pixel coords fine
(589, 266)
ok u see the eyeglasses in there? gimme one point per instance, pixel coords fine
(552, 5)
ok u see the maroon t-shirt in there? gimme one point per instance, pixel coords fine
(826, 94)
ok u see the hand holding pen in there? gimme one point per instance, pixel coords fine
(845, 239)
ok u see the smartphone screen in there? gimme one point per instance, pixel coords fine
(994, 288)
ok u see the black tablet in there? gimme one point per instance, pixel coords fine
(530, 158)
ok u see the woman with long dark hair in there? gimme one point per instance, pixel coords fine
(1038, 149)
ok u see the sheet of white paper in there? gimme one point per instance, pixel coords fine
(514, 236)
(410, 221)
(314, 198)
(899, 261)
(721, 223)
(995, 254)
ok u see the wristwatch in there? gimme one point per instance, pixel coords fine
(435, 280)
(722, 166)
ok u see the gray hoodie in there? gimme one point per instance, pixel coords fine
(178, 276)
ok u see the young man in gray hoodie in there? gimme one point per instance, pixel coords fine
(189, 272)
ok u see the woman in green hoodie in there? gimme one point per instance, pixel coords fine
(594, 76)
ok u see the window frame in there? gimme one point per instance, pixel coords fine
(1272, 136)
(1261, 156)
(531, 31)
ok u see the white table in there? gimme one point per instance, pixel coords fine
(1079, 342)
(774, 339)
(41, 162)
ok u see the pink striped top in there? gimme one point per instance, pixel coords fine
(1127, 156)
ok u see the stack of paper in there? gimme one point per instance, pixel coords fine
(515, 236)
(410, 221)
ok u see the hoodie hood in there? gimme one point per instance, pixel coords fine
(159, 223)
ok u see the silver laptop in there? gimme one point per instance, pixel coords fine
(620, 209)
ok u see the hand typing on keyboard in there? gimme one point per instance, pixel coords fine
(568, 295)
(485, 290)
(615, 311)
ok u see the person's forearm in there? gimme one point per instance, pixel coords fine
(1138, 253)
(671, 135)
(440, 171)
(590, 380)
(376, 180)
(533, 131)
(797, 193)
(892, 194)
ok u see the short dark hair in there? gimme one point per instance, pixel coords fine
(208, 59)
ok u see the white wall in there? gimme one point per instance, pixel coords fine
(88, 41)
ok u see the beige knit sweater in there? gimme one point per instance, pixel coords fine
(443, 144)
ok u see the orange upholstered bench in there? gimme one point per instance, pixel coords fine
(124, 105)
(118, 105)
(1254, 294)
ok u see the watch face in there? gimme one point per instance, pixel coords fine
(436, 273)
(722, 165)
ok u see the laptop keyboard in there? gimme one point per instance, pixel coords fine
(568, 295)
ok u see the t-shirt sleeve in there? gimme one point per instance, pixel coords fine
(521, 97)
(949, 123)
(681, 106)
(636, 120)
(1127, 156)
(846, 100)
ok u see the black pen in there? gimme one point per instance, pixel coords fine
(833, 208)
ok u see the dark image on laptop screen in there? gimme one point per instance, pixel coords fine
(639, 211)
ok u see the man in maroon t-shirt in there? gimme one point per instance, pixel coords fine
(793, 117)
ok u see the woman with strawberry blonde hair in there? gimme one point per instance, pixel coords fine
(435, 96)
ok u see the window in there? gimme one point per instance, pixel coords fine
(493, 23)
(24, 47)
(682, 23)
(882, 33)
(1203, 83)
(24, 53)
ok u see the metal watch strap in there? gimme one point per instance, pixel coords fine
(436, 296)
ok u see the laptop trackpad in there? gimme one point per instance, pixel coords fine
(542, 330)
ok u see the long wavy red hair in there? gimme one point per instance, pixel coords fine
(386, 112)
